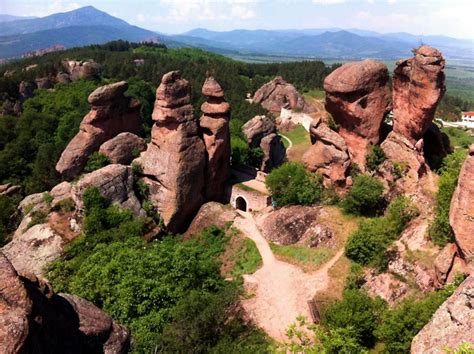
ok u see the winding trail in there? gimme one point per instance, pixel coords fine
(290, 143)
(281, 290)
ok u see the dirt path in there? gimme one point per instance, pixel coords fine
(290, 143)
(281, 290)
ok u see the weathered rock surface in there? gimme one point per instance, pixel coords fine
(44, 83)
(174, 163)
(461, 212)
(112, 113)
(211, 213)
(61, 192)
(123, 148)
(260, 131)
(358, 97)
(34, 319)
(451, 325)
(418, 86)
(82, 69)
(328, 155)
(9, 189)
(30, 251)
(26, 90)
(386, 286)
(297, 224)
(278, 94)
(115, 184)
(444, 262)
(214, 125)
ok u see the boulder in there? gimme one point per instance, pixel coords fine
(63, 78)
(297, 224)
(123, 148)
(443, 263)
(214, 124)
(328, 155)
(462, 209)
(44, 83)
(60, 192)
(358, 98)
(31, 250)
(257, 128)
(211, 214)
(115, 184)
(173, 166)
(451, 325)
(112, 113)
(386, 286)
(26, 90)
(9, 189)
(418, 86)
(34, 319)
(278, 94)
(88, 69)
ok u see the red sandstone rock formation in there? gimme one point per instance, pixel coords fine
(358, 97)
(35, 320)
(451, 325)
(278, 94)
(418, 86)
(112, 113)
(328, 155)
(260, 131)
(461, 213)
(82, 69)
(443, 263)
(174, 163)
(214, 125)
(123, 148)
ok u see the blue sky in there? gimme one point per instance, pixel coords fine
(446, 17)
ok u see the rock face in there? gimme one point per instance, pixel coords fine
(210, 214)
(123, 148)
(297, 224)
(82, 69)
(214, 125)
(451, 325)
(112, 113)
(444, 262)
(278, 94)
(358, 98)
(26, 90)
(386, 286)
(174, 163)
(115, 184)
(34, 319)
(44, 83)
(328, 155)
(260, 131)
(418, 86)
(462, 208)
(9, 189)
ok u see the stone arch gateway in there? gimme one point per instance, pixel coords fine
(241, 203)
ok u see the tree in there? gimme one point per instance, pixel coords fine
(292, 184)
(375, 158)
(365, 197)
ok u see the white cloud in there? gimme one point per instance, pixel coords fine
(41, 9)
(391, 2)
(328, 2)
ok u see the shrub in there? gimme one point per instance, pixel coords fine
(440, 230)
(375, 158)
(8, 207)
(96, 161)
(365, 196)
(292, 184)
(37, 217)
(66, 205)
(240, 150)
(48, 198)
(332, 123)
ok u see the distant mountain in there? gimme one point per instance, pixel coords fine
(80, 27)
(334, 43)
(9, 18)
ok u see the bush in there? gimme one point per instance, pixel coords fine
(365, 196)
(240, 150)
(37, 217)
(292, 184)
(440, 230)
(96, 161)
(375, 158)
(8, 207)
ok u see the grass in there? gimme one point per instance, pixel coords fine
(247, 259)
(315, 93)
(459, 137)
(301, 142)
(307, 258)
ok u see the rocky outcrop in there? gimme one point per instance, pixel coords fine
(278, 94)
(44, 83)
(26, 90)
(211, 214)
(451, 325)
(418, 86)
(443, 263)
(297, 224)
(358, 98)
(123, 148)
(214, 125)
(328, 155)
(9, 189)
(386, 286)
(112, 113)
(461, 212)
(34, 319)
(82, 69)
(115, 184)
(174, 163)
(260, 131)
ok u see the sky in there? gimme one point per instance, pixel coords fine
(443, 17)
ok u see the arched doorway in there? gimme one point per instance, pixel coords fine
(241, 203)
